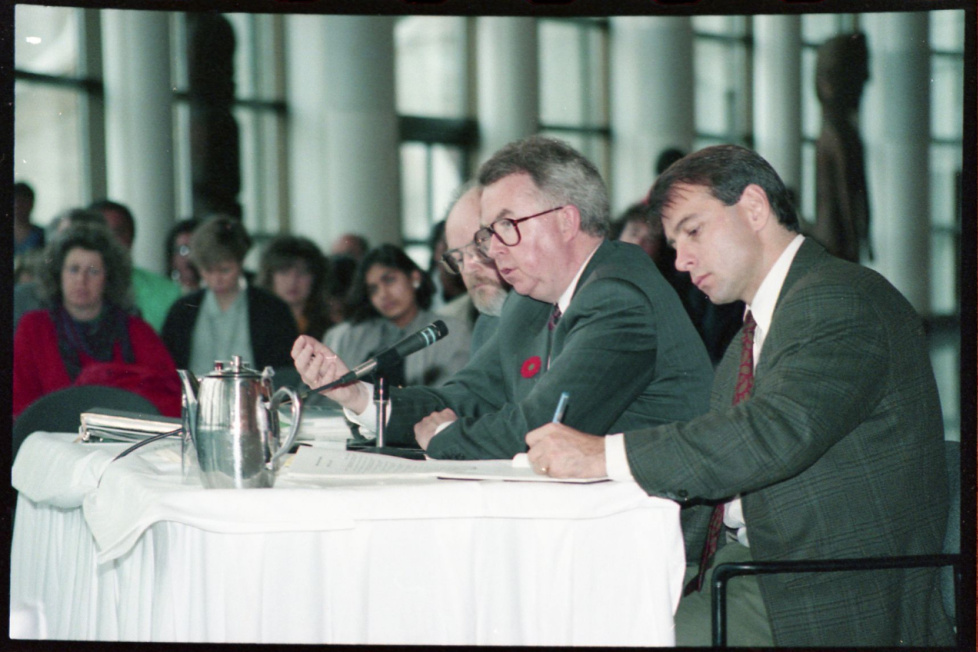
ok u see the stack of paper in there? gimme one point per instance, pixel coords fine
(102, 424)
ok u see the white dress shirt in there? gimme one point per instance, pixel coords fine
(762, 308)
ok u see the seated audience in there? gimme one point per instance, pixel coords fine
(297, 272)
(228, 317)
(87, 335)
(587, 316)
(824, 440)
(27, 236)
(486, 289)
(179, 267)
(153, 293)
(448, 286)
(389, 300)
(28, 293)
(353, 245)
(343, 270)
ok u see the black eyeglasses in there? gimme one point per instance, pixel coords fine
(453, 260)
(506, 230)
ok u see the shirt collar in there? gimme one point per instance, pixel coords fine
(564, 301)
(762, 306)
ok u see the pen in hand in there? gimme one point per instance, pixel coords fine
(561, 408)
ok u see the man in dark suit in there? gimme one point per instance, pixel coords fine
(824, 439)
(621, 345)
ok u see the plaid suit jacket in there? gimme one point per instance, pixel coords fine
(837, 454)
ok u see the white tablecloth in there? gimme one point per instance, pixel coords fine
(132, 551)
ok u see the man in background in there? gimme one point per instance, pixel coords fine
(153, 293)
(487, 290)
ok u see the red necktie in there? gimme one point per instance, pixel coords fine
(554, 318)
(745, 383)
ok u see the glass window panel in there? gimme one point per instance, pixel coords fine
(947, 99)
(47, 39)
(806, 202)
(943, 273)
(562, 73)
(720, 25)
(48, 147)
(947, 30)
(430, 174)
(182, 178)
(818, 28)
(414, 191)
(945, 359)
(249, 197)
(945, 164)
(430, 64)
(811, 108)
(257, 56)
(714, 96)
(244, 55)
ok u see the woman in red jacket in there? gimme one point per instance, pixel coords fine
(88, 334)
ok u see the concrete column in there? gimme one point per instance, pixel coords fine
(344, 138)
(651, 100)
(896, 120)
(777, 94)
(139, 126)
(507, 78)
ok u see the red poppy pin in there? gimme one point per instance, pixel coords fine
(531, 367)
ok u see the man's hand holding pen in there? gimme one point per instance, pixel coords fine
(562, 452)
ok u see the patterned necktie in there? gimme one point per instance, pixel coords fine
(554, 318)
(745, 383)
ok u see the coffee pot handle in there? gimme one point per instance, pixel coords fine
(277, 398)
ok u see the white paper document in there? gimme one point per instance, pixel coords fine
(312, 461)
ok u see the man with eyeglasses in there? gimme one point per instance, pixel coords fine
(486, 288)
(594, 319)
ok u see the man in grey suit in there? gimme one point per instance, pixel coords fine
(621, 344)
(835, 452)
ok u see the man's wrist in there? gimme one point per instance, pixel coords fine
(615, 458)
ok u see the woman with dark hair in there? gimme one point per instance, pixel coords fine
(297, 272)
(88, 334)
(390, 299)
(227, 317)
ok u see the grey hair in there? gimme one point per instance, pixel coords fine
(561, 173)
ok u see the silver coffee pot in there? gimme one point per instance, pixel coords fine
(231, 418)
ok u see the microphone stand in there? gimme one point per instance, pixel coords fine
(378, 445)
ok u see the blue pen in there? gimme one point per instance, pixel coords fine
(561, 407)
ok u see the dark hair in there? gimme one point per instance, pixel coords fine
(183, 226)
(91, 237)
(104, 205)
(637, 212)
(666, 158)
(725, 170)
(285, 252)
(218, 239)
(23, 189)
(359, 306)
(561, 173)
